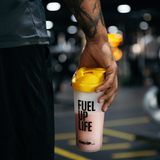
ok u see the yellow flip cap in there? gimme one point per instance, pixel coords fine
(88, 79)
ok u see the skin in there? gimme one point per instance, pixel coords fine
(97, 52)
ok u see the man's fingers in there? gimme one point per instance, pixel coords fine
(109, 95)
(111, 75)
(108, 102)
(107, 84)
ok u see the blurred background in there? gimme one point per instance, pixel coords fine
(134, 36)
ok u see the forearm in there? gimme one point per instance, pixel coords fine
(89, 16)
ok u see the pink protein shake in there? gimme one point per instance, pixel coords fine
(89, 132)
(89, 117)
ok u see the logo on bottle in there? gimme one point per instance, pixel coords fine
(83, 108)
(89, 142)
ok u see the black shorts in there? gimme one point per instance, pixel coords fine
(26, 104)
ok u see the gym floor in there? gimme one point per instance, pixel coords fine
(129, 133)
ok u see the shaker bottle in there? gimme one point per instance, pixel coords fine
(89, 117)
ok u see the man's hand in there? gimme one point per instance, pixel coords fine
(97, 51)
(96, 55)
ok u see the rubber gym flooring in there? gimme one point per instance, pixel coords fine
(129, 133)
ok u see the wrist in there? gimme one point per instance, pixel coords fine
(100, 37)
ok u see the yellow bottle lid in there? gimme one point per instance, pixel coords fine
(88, 79)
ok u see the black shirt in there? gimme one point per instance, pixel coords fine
(22, 22)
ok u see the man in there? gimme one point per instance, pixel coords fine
(26, 96)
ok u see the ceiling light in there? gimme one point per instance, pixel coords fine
(72, 29)
(72, 41)
(124, 8)
(136, 48)
(73, 18)
(53, 6)
(49, 33)
(147, 17)
(62, 58)
(112, 29)
(120, 32)
(49, 24)
(143, 25)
